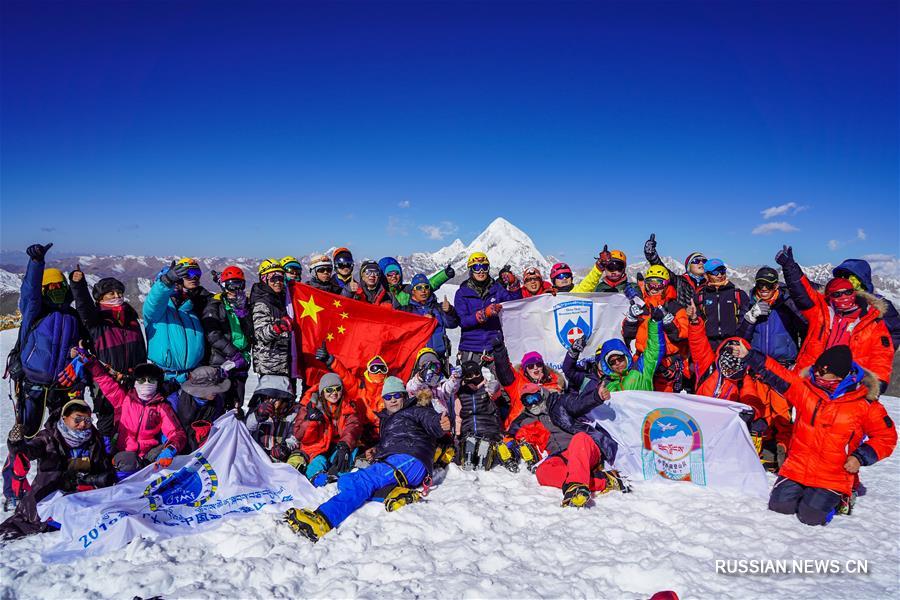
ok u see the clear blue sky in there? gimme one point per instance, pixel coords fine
(266, 128)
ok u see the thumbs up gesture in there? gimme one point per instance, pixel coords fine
(323, 355)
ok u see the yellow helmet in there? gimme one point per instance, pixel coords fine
(52, 276)
(269, 265)
(657, 271)
(290, 261)
(188, 262)
(477, 258)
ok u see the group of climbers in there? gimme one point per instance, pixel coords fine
(380, 437)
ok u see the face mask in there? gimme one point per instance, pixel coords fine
(118, 301)
(239, 303)
(829, 385)
(145, 391)
(730, 366)
(73, 437)
(537, 409)
(843, 304)
(57, 296)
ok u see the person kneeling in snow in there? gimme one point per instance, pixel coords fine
(552, 423)
(402, 460)
(199, 402)
(271, 421)
(71, 458)
(430, 387)
(840, 427)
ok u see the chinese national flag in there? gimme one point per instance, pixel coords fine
(355, 331)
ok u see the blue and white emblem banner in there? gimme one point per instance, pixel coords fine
(548, 324)
(685, 438)
(229, 476)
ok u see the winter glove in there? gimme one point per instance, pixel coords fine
(201, 430)
(322, 479)
(87, 357)
(341, 462)
(73, 372)
(36, 252)
(15, 434)
(785, 256)
(758, 426)
(236, 362)
(322, 355)
(280, 452)
(760, 309)
(313, 413)
(265, 410)
(577, 346)
(632, 291)
(650, 249)
(667, 317)
(282, 325)
(449, 271)
(603, 258)
(780, 455)
(164, 460)
(69, 481)
(456, 373)
(175, 274)
(509, 279)
(634, 313)
(492, 310)
(498, 344)
(658, 314)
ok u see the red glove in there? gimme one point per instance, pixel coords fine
(282, 325)
(510, 281)
(604, 257)
(492, 310)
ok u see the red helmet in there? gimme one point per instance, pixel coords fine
(230, 273)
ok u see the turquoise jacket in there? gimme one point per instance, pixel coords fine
(175, 340)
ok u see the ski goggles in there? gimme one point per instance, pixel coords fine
(333, 389)
(615, 358)
(79, 420)
(378, 369)
(535, 365)
(371, 272)
(655, 283)
(343, 264)
(615, 265)
(234, 285)
(145, 380)
(698, 260)
(393, 396)
(840, 293)
(531, 399)
(720, 272)
(560, 276)
(326, 269)
(530, 279)
(276, 277)
(193, 273)
(764, 285)
(422, 287)
(480, 268)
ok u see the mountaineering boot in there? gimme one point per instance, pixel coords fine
(399, 497)
(469, 447)
(507, 456)
(485, 453)
(310, 524)
(576, 494)
(847, 504)
(9, 504)
(444, 455)
(530, 455)
(615, 482)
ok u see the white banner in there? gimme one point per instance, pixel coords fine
(548, 324)
(681, 437)
(229, 476)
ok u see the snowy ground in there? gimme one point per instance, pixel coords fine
(496, 535)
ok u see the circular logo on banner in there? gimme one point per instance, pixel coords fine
(192, 485)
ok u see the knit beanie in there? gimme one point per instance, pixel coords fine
(837, 360)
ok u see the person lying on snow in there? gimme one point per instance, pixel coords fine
(271, 421)
(148, 428)
(840, 427)
(552, 424)
(401, 461)
(71, 458)
(329, 426)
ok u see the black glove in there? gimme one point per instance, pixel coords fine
(785, 256)
(322, 355)
(577, 346)
(36, 252)
(449, 271)
(280, 452)
(313, 413)
(69, 481)
(498, 346)
(650, 248)
(341, 462)
(175, 274)
(154, 453)
(658, 314)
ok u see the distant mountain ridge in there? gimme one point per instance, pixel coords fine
(503, 242)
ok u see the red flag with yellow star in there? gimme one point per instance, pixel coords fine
(355, 331)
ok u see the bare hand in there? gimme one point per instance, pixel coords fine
(354, 287)
(603, 392)
(370, 454)
(852, 464)
(691, 312)
(445, 422)
(445, 305)
(740, 351)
